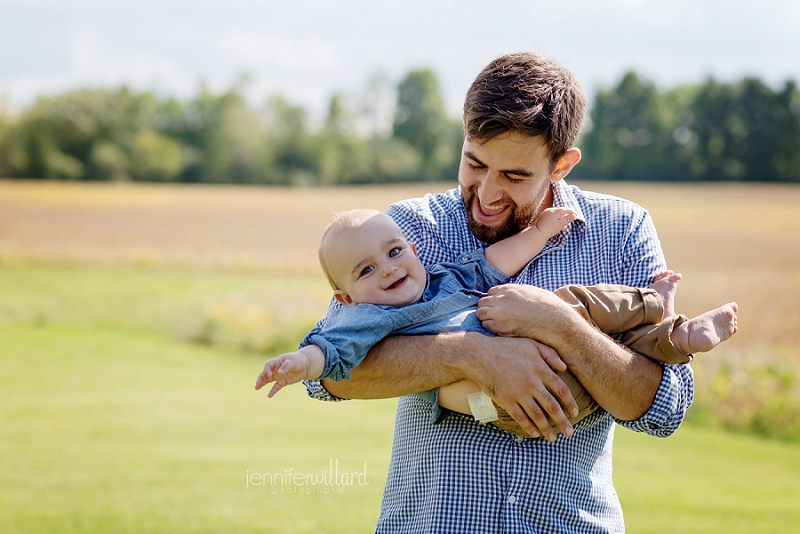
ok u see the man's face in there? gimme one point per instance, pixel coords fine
(505, 183)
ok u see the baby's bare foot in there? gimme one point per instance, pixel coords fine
(704, 332)
(666, 285)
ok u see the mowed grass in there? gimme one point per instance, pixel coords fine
(110, 431)
(113, 418)
(702, 480)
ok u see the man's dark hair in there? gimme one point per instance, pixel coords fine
(529, 94)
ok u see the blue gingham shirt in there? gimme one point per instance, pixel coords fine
(461, 476)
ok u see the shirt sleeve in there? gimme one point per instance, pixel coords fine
(348, 335)
(675, 395)
(642, 260)
(642, 257)
(474, 272)
(314, 388)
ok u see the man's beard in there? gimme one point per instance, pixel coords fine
(519, 218)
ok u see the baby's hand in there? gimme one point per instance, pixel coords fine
(286, 369)
(553, 220)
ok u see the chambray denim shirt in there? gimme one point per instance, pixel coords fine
(461, 476)
(448, 304)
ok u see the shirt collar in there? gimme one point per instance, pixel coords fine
(564, 197)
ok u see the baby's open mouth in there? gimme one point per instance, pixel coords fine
(398, 283)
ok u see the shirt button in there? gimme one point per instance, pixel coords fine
(511, 499)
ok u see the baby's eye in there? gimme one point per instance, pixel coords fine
(394, 252)
(366, 270)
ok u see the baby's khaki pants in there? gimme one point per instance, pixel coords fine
(630, 315)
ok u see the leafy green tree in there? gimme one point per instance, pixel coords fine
(745, 131)
(83, 134)
(154, 157)
(786, 161)
(290, 144)
(7, 145)
(225, 139)
(421, 121)
(341, 156)
(631, 136)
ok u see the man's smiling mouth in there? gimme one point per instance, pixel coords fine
(488, 212)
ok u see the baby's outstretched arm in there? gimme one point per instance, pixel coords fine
(513, 253)
(292, 367)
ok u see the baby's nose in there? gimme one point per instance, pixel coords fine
(388, 268)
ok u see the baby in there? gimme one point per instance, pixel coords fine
(385, 290)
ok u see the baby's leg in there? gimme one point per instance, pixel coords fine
(666, 285)
(704, 332)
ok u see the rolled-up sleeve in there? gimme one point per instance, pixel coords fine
(315, 390)
(674, 396)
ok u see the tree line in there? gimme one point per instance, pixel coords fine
(738, 131)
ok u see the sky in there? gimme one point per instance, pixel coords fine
(306, 50)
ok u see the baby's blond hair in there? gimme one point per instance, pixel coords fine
(340, 222)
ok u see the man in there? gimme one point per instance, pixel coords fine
(522, 115)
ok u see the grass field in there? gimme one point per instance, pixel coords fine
(133, 321)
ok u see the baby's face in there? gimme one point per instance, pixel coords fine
(375, 264)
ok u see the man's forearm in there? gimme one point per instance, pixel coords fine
(401, 365)
(624, 383)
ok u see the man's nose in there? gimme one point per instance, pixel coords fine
(489, 190)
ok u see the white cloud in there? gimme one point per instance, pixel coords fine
(306, 54)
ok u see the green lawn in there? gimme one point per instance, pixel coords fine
(106, 431)
(111, 422)
(702, 480)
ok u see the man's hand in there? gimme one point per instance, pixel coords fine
(622, 382)
(518, 373)
(524, 311)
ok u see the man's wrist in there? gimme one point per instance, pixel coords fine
(623, 382)
(461, 350)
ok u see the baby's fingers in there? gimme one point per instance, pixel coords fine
(275, 388)
(266, 375)
(287, 367)
(264, 378)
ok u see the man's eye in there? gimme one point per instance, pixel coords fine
(474, 166)
(366, 270)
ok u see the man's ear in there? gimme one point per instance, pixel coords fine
(342, 297)
(565, 164)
